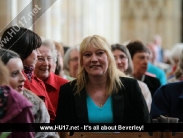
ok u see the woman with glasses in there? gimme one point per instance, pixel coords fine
(26, 43)
(16, 81)
(43, 71)
(71, 61)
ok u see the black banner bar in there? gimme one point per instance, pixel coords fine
(8, 127)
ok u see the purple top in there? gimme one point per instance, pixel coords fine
(18, 110)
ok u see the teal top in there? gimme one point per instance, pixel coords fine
(97, 114)
(160, 74)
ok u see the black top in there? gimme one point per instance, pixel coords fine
(128, 104)
(152, 83)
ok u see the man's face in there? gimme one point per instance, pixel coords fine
(140, 62)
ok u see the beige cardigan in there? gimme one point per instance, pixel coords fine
(146, 93)
(40, 114)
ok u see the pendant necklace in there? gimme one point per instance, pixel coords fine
(101, 105)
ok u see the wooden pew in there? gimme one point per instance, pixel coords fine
(169, 135)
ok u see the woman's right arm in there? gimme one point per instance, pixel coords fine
(63, 114)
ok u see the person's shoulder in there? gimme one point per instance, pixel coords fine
(19, 99)
(171, 89)
(35, 78)
(15, 103)
(151, 78)
(36, 81)
(70, 84)
(128, 80)
(129, 85)
(157, 69)
(142, 84)
(59, 78)
(173, 85)
(32, 97)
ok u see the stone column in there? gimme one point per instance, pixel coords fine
(5, 14)
(143, 19)
(48, 23)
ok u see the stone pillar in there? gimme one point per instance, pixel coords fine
(143, 19)
(82, 18)
(48, 23)
(5, 14)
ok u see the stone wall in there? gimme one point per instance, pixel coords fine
(142, 19)
(69, 21)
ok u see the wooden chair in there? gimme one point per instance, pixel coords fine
(169, 135)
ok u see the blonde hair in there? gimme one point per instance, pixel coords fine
(4, 74)
(113, 81)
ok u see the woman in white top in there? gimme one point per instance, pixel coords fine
(124, 63)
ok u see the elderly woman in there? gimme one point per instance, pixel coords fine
(168, 99)
(124, 64)
(26, 44)
(14, 108)
(17, 79)
(101, 93)
(177, 76)
(71, 61)
(140, 58)
(43, 71)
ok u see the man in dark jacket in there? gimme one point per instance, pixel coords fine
(168, 101)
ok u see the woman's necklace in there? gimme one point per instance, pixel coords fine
(98, 98)
(102, 101)
(101, 104)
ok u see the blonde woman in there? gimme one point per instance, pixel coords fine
(101, 93)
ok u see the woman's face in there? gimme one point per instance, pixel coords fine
(31, 60)
(17, 78)
(95, 61)
(45, 61)
(121, 60)
(73, 63)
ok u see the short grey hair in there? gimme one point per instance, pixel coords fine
(67, 57)
(51, 45)
(176, 51)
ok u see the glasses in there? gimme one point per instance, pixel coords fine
(76, 59)
(42, 59)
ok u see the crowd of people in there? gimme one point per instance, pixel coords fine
(93, 83)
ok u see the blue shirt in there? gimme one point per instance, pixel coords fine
(97, 114)
(160, 74)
